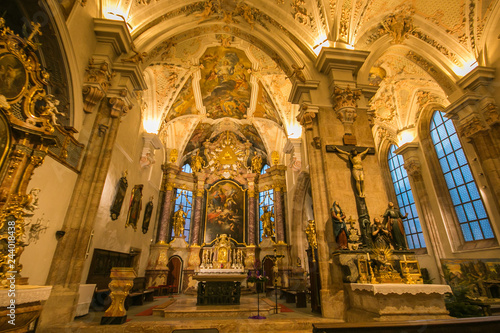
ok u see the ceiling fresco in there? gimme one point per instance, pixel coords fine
(226, 64)
(224, 83)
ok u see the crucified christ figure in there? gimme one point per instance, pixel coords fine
(357, 168)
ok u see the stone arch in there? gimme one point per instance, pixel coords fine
(298, 222)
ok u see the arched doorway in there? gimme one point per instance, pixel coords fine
(267, 266)
(174, 274)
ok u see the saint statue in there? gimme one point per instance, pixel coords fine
(380, 234)
(393, 222)
(357, 168)
(179, 221)
(267, 222)
(339, 226)
(197, 162)
(256, 163)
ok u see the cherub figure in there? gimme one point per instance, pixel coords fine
(138, 57)
(297, 72)
(50, 109)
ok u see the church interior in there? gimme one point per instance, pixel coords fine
(341, 154)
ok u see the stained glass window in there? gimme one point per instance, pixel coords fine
(406, 203)
(472, 216)
(184, 198)
(266, 199)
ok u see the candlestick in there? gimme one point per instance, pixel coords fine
(368, 255)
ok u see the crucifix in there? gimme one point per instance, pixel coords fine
(36, 30)
(356, 155)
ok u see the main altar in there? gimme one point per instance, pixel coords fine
(220, 273)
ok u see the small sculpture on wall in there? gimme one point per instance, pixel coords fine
(267, 222)
(121, 189)
(135, 206)
(256, 163)
(147, 215)
(197, 162)
(339, 226)
(179, 222)
(312, 238)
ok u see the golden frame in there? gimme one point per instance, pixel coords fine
(211, 209)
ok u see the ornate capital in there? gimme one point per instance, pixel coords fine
(98, 78)
(472, 126)
(345, 98)
(307, 113)
(491, 114)
(413, 168)
(118, 107)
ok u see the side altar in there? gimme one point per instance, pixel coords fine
(220, 273)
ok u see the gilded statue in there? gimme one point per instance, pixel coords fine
(267, 222)
(357, 168)
(256, 163)
(312, 238)
(197, 162)
(179, 222)
(393, 221)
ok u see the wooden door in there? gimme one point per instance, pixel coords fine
(174, 274)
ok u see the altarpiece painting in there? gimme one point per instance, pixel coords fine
(225, 211)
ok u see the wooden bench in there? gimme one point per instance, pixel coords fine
(139, 294)
(295, 296)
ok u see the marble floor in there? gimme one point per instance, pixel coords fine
(179, 314)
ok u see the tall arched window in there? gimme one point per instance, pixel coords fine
(472, 216)
(404, 195)
(187, 168)
(264, 168)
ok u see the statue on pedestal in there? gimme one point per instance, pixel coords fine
(339, 226)
(357, 168)
(256, 163)
(380, 234)
(267, 222)
(197, 162)
(393, 222)
(179, 221)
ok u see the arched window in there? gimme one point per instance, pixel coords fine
(187, 168)
(184, 198)
(264, 168)
(266, 199)
(404, 195)
(469, 207)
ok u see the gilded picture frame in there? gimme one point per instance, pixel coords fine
(135, 207)
(147, 216)
(225, 212)
(117, 204)
(13, 76)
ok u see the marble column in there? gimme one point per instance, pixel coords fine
(411, 154)
(279, 212)
(252, 208)
(164, 225)
(200, 178)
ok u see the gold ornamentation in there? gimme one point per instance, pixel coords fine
(399, 25)
(197, 162)
(256, 163)
(384, 271)
(438, 75)
(122, 280)
(169, 186)
(200, 192)
(173, 156)
(312, 238)
(301, 15)
(345, 98)
(275, 157)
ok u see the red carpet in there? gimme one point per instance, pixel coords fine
(148, 312)
(285, 309)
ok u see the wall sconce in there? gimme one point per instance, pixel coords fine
(60, 234)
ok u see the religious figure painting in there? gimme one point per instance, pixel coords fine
(225, 213)
(185, 103)
(12, 76)
(135, 207)
(225, 82)
(121, 189)
(265, 106)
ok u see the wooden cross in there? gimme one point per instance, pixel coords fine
(331, 149)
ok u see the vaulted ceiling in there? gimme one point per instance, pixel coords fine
(218, 65)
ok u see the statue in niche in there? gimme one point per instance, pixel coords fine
(380, 234)
(393, 220)
(197, 162)
(179, 222)
(357, 168)
(339, 226)
(256, 163)
(267, 222)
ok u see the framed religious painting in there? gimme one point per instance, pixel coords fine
(147, 216)
(121, 189)
(135, 207)
(225, 212)
(13, 76)
(5, 140)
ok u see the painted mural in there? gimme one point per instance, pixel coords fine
(201, 133)
(225, 213)
(252, 135)
(480, 277)
(265, 106)
(185, 103)
(224, 83)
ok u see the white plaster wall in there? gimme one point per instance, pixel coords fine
(56, 183)
(112, 235)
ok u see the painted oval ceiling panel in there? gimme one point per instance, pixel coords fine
(224, 83)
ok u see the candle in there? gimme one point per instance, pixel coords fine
(368, 255)
(404, 257)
